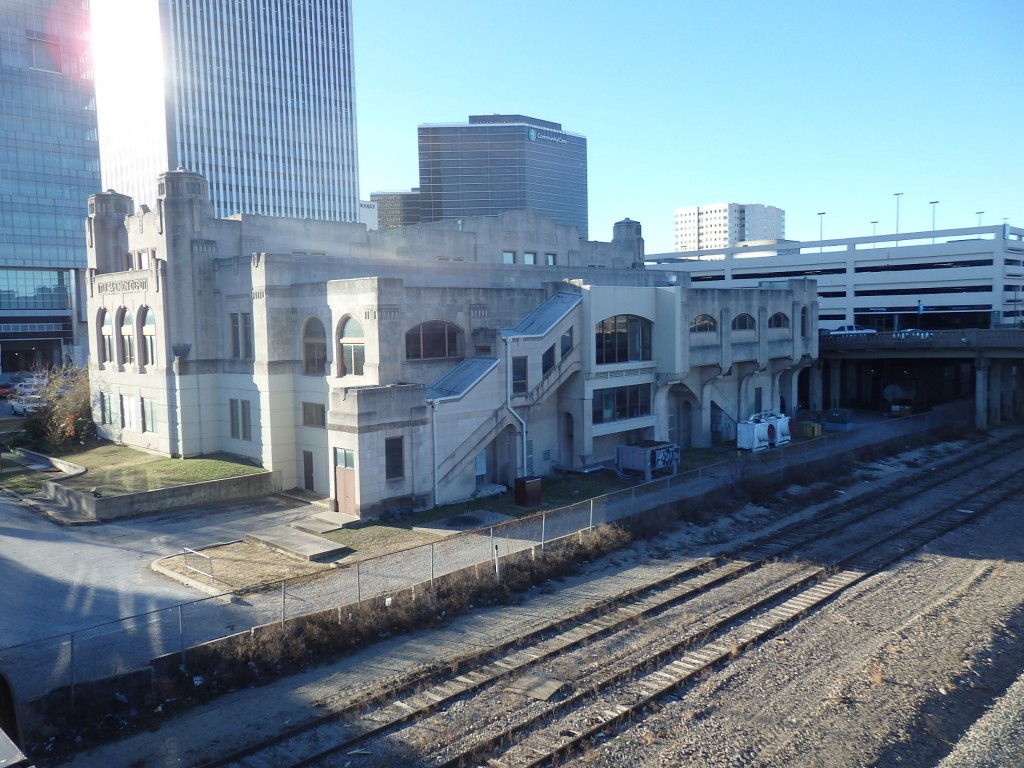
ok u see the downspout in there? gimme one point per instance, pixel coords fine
(508, 395)
(433, 454)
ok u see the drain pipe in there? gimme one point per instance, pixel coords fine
(433, 442)
(508, 395)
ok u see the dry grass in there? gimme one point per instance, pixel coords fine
(243, 565)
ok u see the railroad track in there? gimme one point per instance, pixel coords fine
(604, 702)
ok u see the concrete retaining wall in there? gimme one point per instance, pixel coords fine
(162, 499)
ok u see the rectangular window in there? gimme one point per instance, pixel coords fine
(240, 412)
(529, 257)
(619, 403)
(345, 458)
(148, 414)
(547, 362)
(106, 408)
(236, 351)
(550, 259)
(567, 342)
(44, 55)
(246, 342)
(128, 412)
(520, 382)
(508, 257)
(241, 336)
(354, 358)
(314, 415)
(394, 458)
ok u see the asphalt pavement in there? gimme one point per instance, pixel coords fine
(60, 579)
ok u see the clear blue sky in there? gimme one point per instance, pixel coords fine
(809, 106)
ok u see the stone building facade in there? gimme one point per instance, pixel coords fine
(411, 367)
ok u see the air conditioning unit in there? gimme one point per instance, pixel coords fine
(762, 431)
(649, 457)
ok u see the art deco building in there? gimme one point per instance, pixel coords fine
(403, 368)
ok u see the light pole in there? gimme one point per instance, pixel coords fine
(979, 217)
(874, 232)
(933, 203)
(897, 195)
(821, 229)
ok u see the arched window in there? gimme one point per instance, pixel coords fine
(744, 322)
(351, 348)
(314, 348)
(147, 354)
(432, 340)
(127, 334)
(106, 324)
(622, 339)
(803, 322)
(778, 320)
(703, 324)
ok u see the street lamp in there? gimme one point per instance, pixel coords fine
(821, 229)
(874, 232)
(933, 203)
(979, 217)
(897, 195)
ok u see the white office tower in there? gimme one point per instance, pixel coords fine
(721, 225)
(256, 96)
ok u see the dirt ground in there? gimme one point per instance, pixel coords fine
(238, 565)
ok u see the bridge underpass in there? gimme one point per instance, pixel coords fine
(924, 369)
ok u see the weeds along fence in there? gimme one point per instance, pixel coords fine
(73, 663)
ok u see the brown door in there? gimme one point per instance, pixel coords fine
(345, 481)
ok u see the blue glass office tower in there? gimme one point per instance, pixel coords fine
(49, 165)
(499, 163)
(256, 95)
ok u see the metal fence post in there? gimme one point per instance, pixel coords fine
(432, 567)
(543, 525)
(359, 588)
(181, 636)
(71, 667)
(282, 604)
(591, 525)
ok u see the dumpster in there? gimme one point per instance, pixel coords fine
(527, 491)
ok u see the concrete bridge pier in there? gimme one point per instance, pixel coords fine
(981, 398)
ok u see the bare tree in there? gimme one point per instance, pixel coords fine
(68, 416)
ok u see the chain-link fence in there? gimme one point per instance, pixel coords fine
(133, 643)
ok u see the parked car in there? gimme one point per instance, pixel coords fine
(25, 405)
(852, 330)
(912, 333)
(27, 388)
(6, 390)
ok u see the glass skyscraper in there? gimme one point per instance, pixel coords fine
(258, 96)
(499, 163)
(49, 165)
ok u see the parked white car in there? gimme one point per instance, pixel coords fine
(25, 405)
(852, 330)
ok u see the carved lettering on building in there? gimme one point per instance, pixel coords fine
(124, 286)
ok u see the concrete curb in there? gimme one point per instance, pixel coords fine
(188, 581)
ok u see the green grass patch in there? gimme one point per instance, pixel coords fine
(118, 469)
